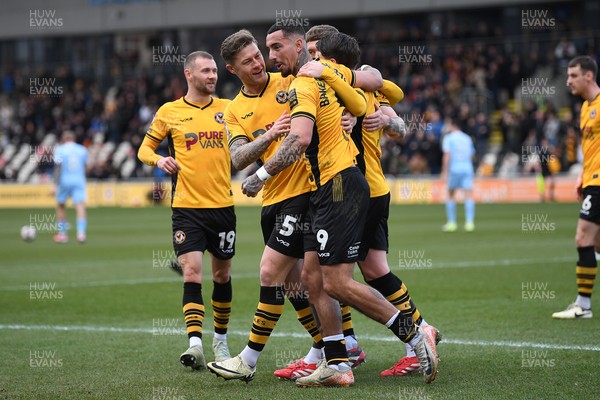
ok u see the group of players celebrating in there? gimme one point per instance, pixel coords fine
(314, 128)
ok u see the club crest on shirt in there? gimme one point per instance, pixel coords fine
(281, 96)
(179, 237)
(219, 117)
(593, 114)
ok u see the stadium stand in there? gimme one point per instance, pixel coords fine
(469, 65)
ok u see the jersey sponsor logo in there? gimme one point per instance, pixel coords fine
(283, 242)
(324, 100)
(248, 115)
(324, 254)
(179, 237)
(219, 117)
(281, 96)
(353, 250)
(186, 119)
(206, 140)
(593, 114)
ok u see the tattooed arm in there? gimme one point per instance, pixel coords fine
(292, 147)
(244, 152)
(395, 126)
(290, 150)
(385, 117)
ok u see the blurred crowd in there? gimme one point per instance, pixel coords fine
(485, 79)
(474, 74)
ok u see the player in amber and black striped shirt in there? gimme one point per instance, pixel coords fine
(338, 51)
(257, 123)
(581, 78)
(202, 201)
(338, 207)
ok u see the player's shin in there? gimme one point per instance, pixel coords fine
(306, 319)
(587, 268)
(347, 326)
(267, 314)
(193, 311)
(221, 303)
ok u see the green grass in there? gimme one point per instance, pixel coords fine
(471, 286)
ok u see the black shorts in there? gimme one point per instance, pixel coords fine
(283, 225)
(200, 229)
(337, 215)
(375, 235)
(590, 206)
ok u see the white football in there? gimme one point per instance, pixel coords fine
(28, 233)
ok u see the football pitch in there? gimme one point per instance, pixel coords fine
(103, 320)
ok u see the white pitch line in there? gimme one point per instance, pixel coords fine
(460, 342)
(501, 263)
(247, 275)
(120, 282)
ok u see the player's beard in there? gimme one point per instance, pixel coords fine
(205, 89)
(286, 72)
(285, 69)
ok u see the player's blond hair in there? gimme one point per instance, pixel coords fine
(235, 43)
